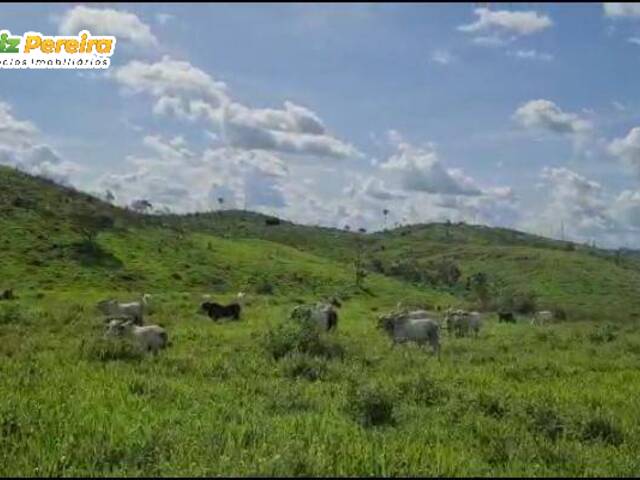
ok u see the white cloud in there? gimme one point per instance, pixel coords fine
(178, 87)
(545, 115)
(574, 202)
(294, 129)
(21, 147)
(621, 10)
(626, 208)
(443, 57)
(496, 26)
(106, 21)
(176, 177)
(627, 148)
(421, 171)
(14, 132)
(188, 93)
(532, 55)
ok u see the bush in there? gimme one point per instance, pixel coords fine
(265, 288)
(603, 430)
(11, 313)
(423, 390)
(492, 406)
(108, 349)
(559, 313)
(371, 405)
(604, 334)
(521, 302)
(546, 421)
(299, 365)
(299, 337)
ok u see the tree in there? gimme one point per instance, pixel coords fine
(360, 272)
(478, 283)
(89, 224)
(220, 202)
(141, 206)
(385, 212)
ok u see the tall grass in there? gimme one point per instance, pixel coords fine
(220, 402)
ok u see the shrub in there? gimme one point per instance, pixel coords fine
(265, 288)
(604, 334)
(371, 405)
(603, 430)
(423, 390)
(545, 421)
(559, 313)
(11, 313)
(520, 302)
(299, 365)
(491, 406)
(301, 337)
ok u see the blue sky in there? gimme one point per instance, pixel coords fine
(518, 115)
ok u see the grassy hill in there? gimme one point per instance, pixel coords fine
(258, 397)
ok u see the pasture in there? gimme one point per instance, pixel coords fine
(258, 397)
(558, 399)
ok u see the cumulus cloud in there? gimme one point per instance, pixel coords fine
(179, 88)
(13, 132)
(106, 21)
(621, 10)
(627, 148)
(544, 115)
(496, 27)
(422, 171)
(188, 93)
(580, 205)
(174, 176)
(21, 147)
(626, 208)
(294, 129)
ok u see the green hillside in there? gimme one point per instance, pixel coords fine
(230, 250)
(262, 397)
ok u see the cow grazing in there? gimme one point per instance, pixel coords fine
(133, 310)
(462, 322)
(506, 317)
(542, 317)
(324, 315)
(7, 294)
(217, 311)
(151, 338)
(401, 328)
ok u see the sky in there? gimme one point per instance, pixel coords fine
(524, 116)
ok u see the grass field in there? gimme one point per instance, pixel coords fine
(257, 397)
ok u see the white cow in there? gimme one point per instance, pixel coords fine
(411, 327)
(323, 315)
(150, 338)
(133, 310)
(542, 317)
(462, 322)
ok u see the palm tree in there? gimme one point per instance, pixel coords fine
(220, 202)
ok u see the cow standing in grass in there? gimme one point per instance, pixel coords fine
(411, 327)
(217, 311)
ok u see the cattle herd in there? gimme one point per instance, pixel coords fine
(401, 324)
